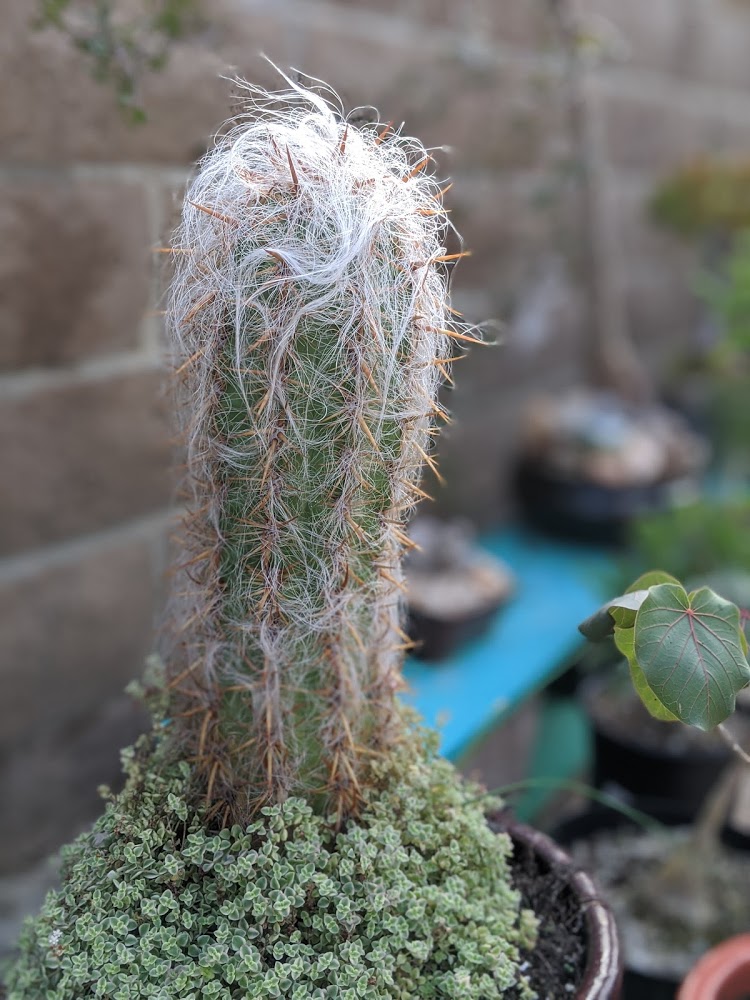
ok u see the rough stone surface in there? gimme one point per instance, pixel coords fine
(718, 43)
(520, 131)
(67, 116)
(408, 7)
(508, 223)
(70, 640)
(650, 133)
(640, 33)
(448, 96)
(523, 24)
(658, 273)
(81, 458)
(74, 269)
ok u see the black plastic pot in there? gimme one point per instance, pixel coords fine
(602, 977)
(652, 774)
(584, 511)
(437, 638)
(636, 985)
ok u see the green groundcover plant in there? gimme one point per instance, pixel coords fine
(287, 831)
(412, 900)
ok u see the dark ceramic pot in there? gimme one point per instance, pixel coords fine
(602, 976)
(636, 985)
(583, 511)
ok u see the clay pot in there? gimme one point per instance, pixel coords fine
(722, 974)
(602, 978)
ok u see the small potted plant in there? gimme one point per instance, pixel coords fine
(675, 893)
(595, 456)
(664, 768)
(592, 462)
(287, 830)
(453, 588)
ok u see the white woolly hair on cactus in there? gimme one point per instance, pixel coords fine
(309, 311)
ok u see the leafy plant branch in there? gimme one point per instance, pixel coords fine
(687, 652)
(119, 49)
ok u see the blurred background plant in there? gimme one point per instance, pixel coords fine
(690, 542)
(120, 44)
(708, 202)
(704, 197)
(729, 298)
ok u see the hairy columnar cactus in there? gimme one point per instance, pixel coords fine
(309, 312)
(289, 833)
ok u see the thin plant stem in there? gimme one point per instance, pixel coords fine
(579, 788)
(732, 743)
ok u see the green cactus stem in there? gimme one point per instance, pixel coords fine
(309, 313)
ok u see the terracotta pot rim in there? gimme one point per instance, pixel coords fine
(602, 979)
(723, 973)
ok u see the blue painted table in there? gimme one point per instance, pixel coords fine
(557, 586)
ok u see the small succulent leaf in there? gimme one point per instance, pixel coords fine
(602, 623)
(625, 642)
(690, 650)
(652, 578)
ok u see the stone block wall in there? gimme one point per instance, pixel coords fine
(85, 199)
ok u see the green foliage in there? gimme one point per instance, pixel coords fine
(710, 201)
(691, 541)
(692, 652)
(729, 297)
(687, 651)
(413, 900)
(703, 197)
(290, 834)
(119, 48)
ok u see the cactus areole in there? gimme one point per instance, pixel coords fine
(309, 314)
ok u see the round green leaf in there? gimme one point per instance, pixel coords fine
(651, 579)
(602, 623)
(690, 649)
(625, 640)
